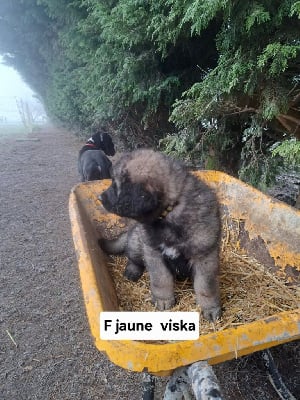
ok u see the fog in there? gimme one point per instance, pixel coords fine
(14, 91)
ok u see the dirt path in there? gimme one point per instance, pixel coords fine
(46, 351)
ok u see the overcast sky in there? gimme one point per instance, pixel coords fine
(13, 88)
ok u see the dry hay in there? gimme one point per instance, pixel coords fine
(248, 291)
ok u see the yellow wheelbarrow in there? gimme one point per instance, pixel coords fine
(266, 229)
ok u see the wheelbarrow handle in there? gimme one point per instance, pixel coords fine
(200, 377)
(204, 381)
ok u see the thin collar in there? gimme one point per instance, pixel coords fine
(165, 212)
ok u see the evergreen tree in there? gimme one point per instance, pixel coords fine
(217, 81)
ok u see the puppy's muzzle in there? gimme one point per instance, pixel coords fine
(132, 201)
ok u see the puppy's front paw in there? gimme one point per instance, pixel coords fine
(212, 313)
(163, 304)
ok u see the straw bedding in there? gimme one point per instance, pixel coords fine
(248, 291)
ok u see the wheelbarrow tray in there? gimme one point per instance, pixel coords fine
(269, 231)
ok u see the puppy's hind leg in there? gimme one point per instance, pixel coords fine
(133, 271)
(134, 251)
(135, 268)
(206, 285)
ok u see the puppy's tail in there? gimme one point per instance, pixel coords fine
(114, 246)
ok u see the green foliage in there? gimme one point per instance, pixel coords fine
(220, 71)
(289, 151)
(258, 16)
(203, 148)
(183, 145)
(257, 166)
(295, 9)
(247, 60)
(277, 57)
(173, 20)
(25, 36)
(274, 101)
(255, 75)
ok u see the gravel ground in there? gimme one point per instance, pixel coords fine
(46, 351)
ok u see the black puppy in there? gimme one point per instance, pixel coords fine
(92, 161)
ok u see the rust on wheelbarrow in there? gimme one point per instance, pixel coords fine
(269, 231)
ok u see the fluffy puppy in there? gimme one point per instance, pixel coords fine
(93, 164)
(178, 229)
